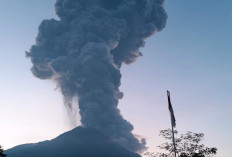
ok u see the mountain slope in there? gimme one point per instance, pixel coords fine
(79, 142)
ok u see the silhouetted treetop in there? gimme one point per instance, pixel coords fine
(1, 152)
(187, 145)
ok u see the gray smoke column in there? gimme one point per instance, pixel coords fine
(84, 50)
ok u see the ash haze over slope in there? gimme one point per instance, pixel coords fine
(83, 51)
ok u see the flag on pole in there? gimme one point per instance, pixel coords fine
(173, 120)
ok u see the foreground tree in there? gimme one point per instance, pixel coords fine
(1, 152)
(187, 145)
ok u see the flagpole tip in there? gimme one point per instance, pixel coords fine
(168, 93)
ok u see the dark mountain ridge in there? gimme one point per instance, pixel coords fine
(79, 142)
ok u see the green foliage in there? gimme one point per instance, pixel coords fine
(1, 152)
(187, 145)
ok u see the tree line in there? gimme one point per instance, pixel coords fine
(187, 145)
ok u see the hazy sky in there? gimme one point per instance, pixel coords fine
(191, 57)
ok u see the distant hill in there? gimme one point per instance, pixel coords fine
(79, 142)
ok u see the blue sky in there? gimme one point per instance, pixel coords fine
(191, 57)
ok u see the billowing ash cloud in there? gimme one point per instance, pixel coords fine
(84, 50)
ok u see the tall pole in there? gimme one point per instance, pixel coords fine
(173, 139)
(173, 121)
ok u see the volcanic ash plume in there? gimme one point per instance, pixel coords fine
(84, 50)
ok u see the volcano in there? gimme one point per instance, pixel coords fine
(79, 142)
